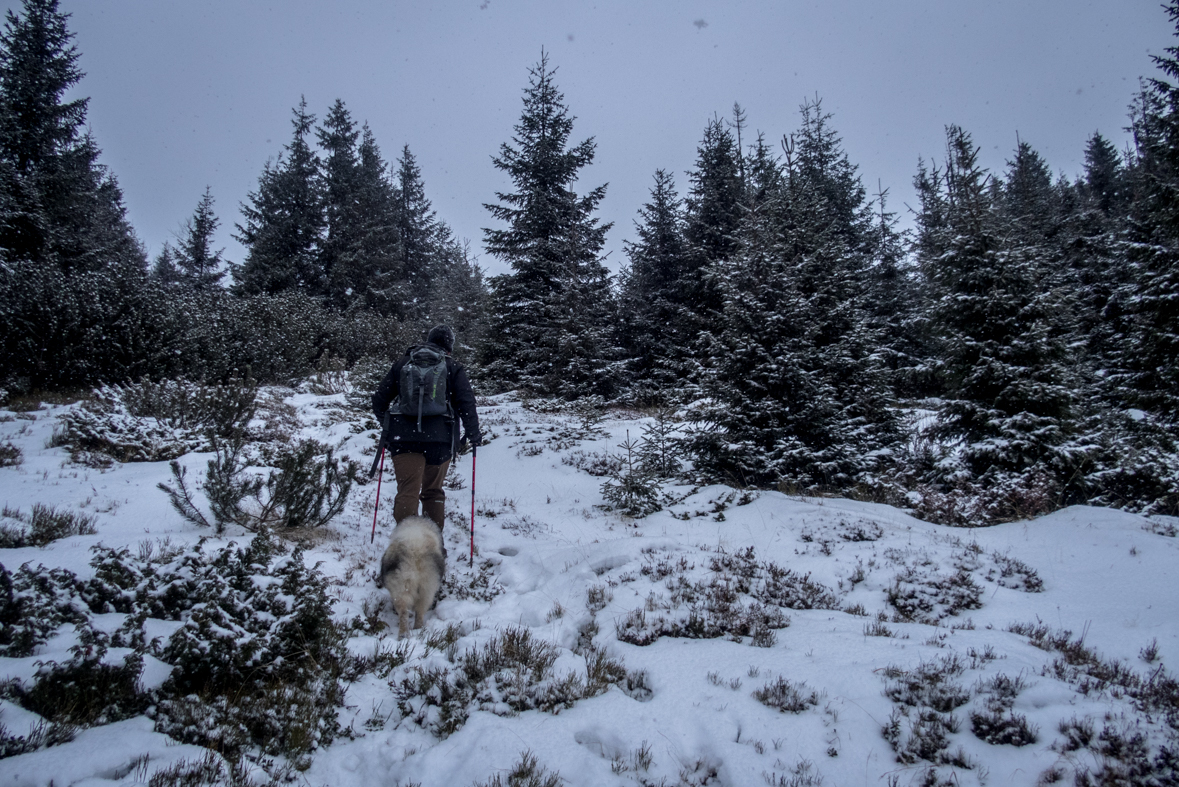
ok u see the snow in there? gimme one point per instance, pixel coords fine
(1106, 576)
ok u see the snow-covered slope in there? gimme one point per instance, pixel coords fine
(855, 623)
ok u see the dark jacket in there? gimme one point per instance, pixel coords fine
(402, 434)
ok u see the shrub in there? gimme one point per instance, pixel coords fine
(304, 490)
(741, 597)
(930, 685)
(210, 771)
(34, 604)
(43, 525)
(510, 674)
(997, 726)
(928, 597)
(257, 656)
(526, 773)
(85, 690)
(786, 697)
(10, 455)
(150, 422)
(364, 379)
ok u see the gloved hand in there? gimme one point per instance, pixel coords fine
(469, 439)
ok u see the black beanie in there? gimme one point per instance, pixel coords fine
(442, 336)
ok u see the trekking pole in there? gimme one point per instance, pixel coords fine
(377, 504)
(474, 453)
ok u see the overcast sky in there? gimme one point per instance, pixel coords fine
(186, 95)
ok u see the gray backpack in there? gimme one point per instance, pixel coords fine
(423, 384)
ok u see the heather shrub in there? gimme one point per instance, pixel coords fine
(43, 525)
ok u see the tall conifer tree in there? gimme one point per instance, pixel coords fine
(59, 204)
(197, 263)
(1150, 360)
(799, 396)
(284, 220)
(652, 304)
(552, 313)
(1001, 363)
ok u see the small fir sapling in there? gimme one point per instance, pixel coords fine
(660, 446)
(631, 489)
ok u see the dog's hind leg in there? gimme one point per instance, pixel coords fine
(402, 618)
(419, 610)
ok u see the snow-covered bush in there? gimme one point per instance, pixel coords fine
(740, 597)
(257, 656)
(526, 773)
(787, 697)
(10, 455)
(88, 689)
(35, 603)
(923, 719)
(364, 379)
(151, 422)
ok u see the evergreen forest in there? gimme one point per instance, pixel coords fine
(1016, 352)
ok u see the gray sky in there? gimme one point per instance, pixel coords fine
(189, 94)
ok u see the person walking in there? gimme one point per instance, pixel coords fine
(420, 404)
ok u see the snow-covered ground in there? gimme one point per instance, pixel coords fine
(557, 565)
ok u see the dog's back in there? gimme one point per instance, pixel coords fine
(412, 568)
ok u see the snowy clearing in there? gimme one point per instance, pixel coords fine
(754, 638)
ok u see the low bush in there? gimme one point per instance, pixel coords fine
(786, 697)
(42, 526)
(34, 604)
(511, 673)
(526, 773)
(257, 658)
(307, 488)
(86, 690)
(927, 596)
(150, 422)
(742, 597)
(10, 455)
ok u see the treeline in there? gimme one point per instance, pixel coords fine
(1014, 353)
(346, 257)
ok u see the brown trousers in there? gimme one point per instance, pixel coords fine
(416, 481)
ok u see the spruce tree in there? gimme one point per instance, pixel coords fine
(553, 311)
(339, 252)
(284, 221)
(1104, 183)
(59, 204)
(712, 217)
(799, 396)
(652, 308)
(75, 301)
(422, 237)
(197, 263)
(164, 269)
(1150, 371)
(377, 279)
(894, 303)
(1001, 364)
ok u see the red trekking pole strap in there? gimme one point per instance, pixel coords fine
(474, 453)
(377, 504)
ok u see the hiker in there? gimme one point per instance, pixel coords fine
(430, 393)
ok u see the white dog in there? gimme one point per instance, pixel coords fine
(412, 568)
